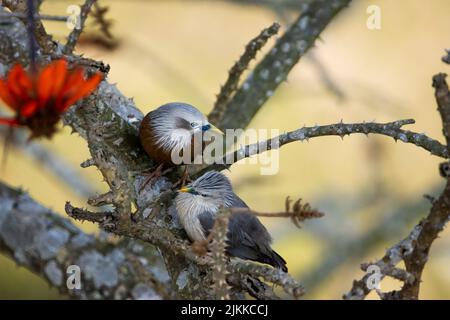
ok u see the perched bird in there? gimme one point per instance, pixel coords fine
(199, 203)
(171, 128)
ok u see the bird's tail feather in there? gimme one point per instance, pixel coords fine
(277, 261)
(266, 255)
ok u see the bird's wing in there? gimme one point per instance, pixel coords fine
(247, 236)
(238, 202)
(207, 218)
(249, 239)
(248, 225)
(245, 228)
(207, 221)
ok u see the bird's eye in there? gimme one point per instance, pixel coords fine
(194, 124)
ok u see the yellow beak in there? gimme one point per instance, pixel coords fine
(184, 189)
(215, 129)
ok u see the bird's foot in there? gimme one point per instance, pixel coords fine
(184, 178)
(201, 247)
(150, 176)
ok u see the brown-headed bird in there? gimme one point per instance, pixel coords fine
(199, 203)
(171, 129)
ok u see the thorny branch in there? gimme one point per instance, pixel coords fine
(6, 15)
(216, 242)
(274, 68)
(298, 213)
(108, 121)
(326, 78)
(218, 254)
(415, 248)
(47, 244)
(390, 129)
(76, 32)
(164, 240)
(235, 73)
(275, 276)
(349, 247)
(288, 4)
(100, 19)
(20, 7)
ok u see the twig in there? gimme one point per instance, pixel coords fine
(146, 231)
(253, 286)
(393, 272)
(393, 256)
(20, 7)
(442, 96)
(440, 210)
(390, 129)
(153, 233)
(99, 18)
(276, 65)
(31, 28)
(275, 276)
(76, 32)
(345, 249)
(86, 215)
(218, 238)
(415, 248)
(218, 253)
(235, 73)
(298, 213)
(288, 4)
(321, 70)
(36, 16)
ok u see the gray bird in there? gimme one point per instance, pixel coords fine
(199, 203)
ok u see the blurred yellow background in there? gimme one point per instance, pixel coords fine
(182, 50)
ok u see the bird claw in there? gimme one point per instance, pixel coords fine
(151, 176)
(184, 178)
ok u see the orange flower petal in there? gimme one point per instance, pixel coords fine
(73, 79)
(26, 84)
(60, 73)
(6, 96)
(45, 84)
(19, 84)
(28, 109)
(84, 89)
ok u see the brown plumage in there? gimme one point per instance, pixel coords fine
(146, 135)
(172, 128)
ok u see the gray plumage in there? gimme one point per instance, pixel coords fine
(198, 206)
(174, 122)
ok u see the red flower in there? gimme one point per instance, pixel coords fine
(39, 99)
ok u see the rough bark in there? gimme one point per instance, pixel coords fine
(47, 244)
(415, 248)
(274, 68)
(109, 122)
